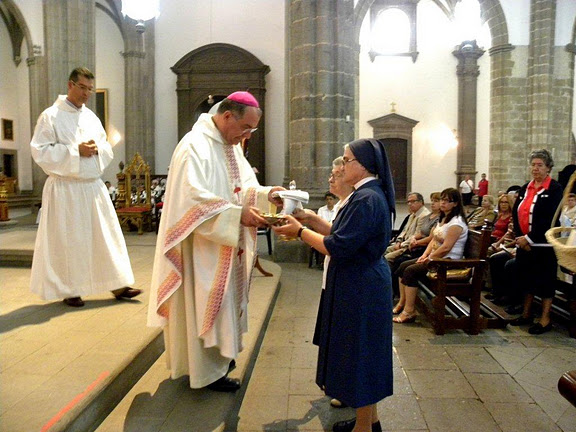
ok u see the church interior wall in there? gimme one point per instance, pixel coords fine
(15, 106)
(110, 76)
(33, 13)
(426, 91)
(258, 27)
(517, 13)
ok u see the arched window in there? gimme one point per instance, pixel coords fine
(391, 32)
(393, 29)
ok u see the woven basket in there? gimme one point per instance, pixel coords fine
(566, 254)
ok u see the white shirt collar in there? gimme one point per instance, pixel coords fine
(363, 182)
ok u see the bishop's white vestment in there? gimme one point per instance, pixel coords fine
(204, 257)
(80, 249)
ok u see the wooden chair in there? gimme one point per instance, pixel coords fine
(135, 209)
(451, 295)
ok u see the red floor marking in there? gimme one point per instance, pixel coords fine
(74, 402)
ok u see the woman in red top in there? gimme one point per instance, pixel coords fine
(535, 259)
(503, 218)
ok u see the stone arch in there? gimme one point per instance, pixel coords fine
(219, 69)
(491, 13)
(17, 28)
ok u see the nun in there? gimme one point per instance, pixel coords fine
(355, 319)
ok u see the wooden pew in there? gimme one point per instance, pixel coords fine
(451, 296)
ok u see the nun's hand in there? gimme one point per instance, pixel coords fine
(304, 216)
(289, 229)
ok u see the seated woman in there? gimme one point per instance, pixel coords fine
(485, 211)
(503, 217)
(449, 239)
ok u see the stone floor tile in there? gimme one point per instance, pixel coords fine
(269, 381)
(305, 356)
(401, 383)
(278, 338)
(551, 401)
(440, 384)
(15, 349)
(513, 359)
(16, 386)
(474, 360)
(263, 413)
(401, 412)
(411, 357)
(521, 417)
(276, 323)
(568, 420)
(457, 415)
(544, 374)
(274, 356)
(497, 388)
(303, 382)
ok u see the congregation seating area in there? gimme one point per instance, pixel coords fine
(452, 296)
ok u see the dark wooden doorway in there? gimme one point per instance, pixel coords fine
(395, 131)
(397, 151)
(217, 70)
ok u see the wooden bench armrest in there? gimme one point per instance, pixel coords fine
(567, 386)
(436, 263)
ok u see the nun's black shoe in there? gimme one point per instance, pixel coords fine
(348, 426)
(225, 384)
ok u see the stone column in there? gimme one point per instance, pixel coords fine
(540, 73)
(508, 121)
(139, 85)
(323, 73)
(38, 102)
(69, 35)
(467, 70)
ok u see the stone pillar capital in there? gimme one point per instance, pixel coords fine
(133, 54)
(499, 49)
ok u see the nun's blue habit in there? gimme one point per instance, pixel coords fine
(355, 320)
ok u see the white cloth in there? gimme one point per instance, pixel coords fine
(457, 251)
(466, 187)
(325, 213)
(80, 249)
(570, 215)
(204, 257)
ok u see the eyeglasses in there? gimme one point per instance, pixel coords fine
(245, 131)
(83, 87)
(347, 161)
(446, 200)
(412, 201)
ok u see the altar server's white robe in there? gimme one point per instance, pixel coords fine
(204, 257)
(80, 249)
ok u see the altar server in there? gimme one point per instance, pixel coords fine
(80, 249)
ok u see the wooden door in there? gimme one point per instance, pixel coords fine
(397, 151)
